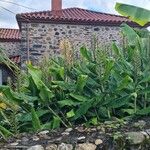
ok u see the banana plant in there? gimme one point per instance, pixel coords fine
(138, 59)
(92, 89)
(136, 14)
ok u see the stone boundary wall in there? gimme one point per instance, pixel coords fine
(93, 139)
(45, 38)
(11, 48)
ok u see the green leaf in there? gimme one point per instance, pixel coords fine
(6, 133)
(145, 79)
(83, 109)
(64, 85)
(81, 82)
(116, 50)
(94, 121)
(92, 83)
(103, 112)
(145, 90)
(67, 102)
(35, 120)
(36, 74)
(85, 53)
(47, 126)
(119, 102)
(129, 111)
(32, 86)
(130, 33)
(70, 114)
(62, 72)
(11, 95)
(78, 97)
(145, 111)
(56, 122)
(124, 83)
(27, 117)
(108, 68)
(58, 71)
(136, 14)
(45, 93)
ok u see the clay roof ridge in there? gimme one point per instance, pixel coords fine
(74, 15)
(3, 28)
(77, 8)
(9, 34)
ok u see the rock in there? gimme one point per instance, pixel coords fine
(80, 129)
(88, 130)
(81, 138)
(35, 138)
(59, 139)
(14, 144)
(24, 141)
(68, 130)
(18, 141)
(93, 129)
(44, 135)
(103, 129)
(36, 147)
(17, 147)
(140, 124)
(135, 137)
(98, 142)
(99, 127)
(43, 132)
(86, 146)
(148, 131)
(51, 147)
(145, 134)
(64, 146)
(65, 133)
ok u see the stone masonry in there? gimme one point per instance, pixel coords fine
(45, 38)
(11, 48)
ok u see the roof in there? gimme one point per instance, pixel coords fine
(15, 59)
(8, 35)
(74, 16)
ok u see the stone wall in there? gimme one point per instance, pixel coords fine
(6, 73)
(11, 48)
(45, 38)
(80, 138)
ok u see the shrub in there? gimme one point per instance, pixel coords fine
(88, 91)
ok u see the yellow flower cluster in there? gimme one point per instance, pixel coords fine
(2, 105)
(66, 50)
(28, 62)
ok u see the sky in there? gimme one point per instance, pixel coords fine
(8, 20)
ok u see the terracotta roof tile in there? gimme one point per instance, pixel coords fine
(74, 16)
(9, 35)
(15, 59)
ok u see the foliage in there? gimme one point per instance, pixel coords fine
(94, 89)
(136, 14)
(5, 60)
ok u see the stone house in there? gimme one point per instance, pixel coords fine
(10, 43)
(40, 33)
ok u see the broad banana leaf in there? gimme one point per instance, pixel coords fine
(131, 34)
(81, 82)
(35, 120)
(136, 14)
